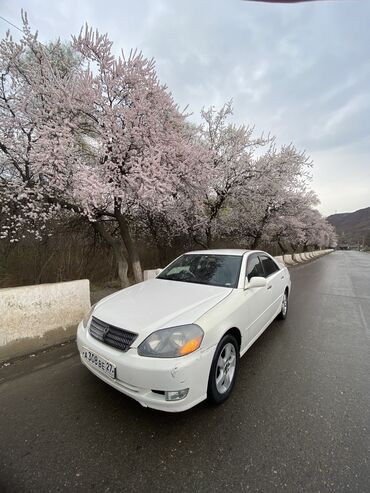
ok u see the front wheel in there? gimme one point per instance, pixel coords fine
(284, 307)
(223, 370)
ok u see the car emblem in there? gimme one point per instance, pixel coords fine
(105, 332)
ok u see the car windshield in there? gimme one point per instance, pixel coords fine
(214, 270)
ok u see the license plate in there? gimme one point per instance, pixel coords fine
(99, 362)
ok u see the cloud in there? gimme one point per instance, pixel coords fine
(348, 111)
(342, 178)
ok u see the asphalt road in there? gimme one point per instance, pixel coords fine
(298, 420)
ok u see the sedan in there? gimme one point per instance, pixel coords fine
(176, 340)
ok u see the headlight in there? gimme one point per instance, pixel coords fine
(87, 317)
(172, 342)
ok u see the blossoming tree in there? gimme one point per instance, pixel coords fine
(232, 159)
(101, 141)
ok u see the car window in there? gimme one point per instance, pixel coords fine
(215, 270)
(254, 267)
(269, 266)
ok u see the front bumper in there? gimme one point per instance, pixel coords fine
(137, 376)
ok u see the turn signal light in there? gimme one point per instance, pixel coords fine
(190, 346)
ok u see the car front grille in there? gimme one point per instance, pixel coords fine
(111, 335)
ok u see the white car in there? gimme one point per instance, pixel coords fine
(173, 341)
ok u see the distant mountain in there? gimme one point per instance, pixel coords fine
(352, 227)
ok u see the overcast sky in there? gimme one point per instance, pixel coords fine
(300, 71)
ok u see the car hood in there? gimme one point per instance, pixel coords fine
(157, 304)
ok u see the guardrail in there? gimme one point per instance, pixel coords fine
(35, 317)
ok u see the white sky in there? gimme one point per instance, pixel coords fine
(300, 71)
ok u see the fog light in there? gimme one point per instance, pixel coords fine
(176, 395)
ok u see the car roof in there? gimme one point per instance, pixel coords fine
(221, 251)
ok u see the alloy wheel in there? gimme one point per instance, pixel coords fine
(284, 305)
(225, 369)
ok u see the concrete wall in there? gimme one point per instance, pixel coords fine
(151, 274)
(35, 317)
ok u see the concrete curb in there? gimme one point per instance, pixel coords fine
(280, 259)
(288, 260)
(306, 257)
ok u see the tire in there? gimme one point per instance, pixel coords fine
(221, 385)
(284, 306)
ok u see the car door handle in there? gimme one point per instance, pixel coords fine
(282, 277)
(269, 287)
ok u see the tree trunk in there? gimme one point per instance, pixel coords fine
(197, 241)
(284, 251)
(122, 266)
(259, 234)
(131, 247)
(209, 234)
(158, 243)
(294, 249)
(256, 241)
(118, 251)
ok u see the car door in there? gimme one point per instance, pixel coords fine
(274, 278)
(256, 303)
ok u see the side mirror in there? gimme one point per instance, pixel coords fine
(255, 282)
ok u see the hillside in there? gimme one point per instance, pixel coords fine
(352, 227)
